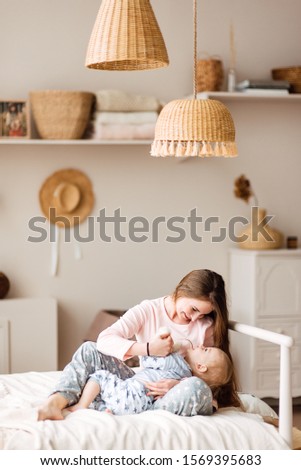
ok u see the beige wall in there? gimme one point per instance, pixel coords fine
(42, 45)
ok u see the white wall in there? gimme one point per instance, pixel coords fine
(43, 45)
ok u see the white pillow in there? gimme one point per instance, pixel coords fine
(253, 404)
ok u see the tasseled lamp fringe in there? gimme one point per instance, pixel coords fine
(165, 148)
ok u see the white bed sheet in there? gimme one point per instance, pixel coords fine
(20, 394)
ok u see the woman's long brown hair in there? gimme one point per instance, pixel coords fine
(204, 284)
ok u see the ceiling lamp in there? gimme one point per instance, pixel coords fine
(126, 36)
(192, 127)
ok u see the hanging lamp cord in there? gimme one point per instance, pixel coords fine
(195, 38)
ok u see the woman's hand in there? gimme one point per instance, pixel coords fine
(161, 345)
(160, 388)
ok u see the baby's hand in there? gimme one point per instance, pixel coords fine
(163, 332)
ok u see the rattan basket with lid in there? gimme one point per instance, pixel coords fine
(210, 74)
(61, 114)
(290, 74)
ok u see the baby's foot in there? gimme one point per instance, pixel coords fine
(75, 407)
(270, 420)
(50, 412)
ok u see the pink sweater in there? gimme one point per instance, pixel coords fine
(143, 321)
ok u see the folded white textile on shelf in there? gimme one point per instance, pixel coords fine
(123, 131)
(136, 117)
(119, 100)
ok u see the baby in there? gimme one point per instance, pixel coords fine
(130, 396)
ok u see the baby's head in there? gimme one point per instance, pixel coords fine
(210, 364)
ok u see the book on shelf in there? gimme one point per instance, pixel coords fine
(263, 85)
(264, 92)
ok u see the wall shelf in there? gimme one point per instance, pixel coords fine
(241, 96)
(17, 141)
(220, 95)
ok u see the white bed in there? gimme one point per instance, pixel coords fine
(20, 394)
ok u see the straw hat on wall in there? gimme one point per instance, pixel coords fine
(66, 197)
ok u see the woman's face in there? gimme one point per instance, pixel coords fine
(189, 309)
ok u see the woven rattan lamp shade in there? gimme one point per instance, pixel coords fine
(126, 36)
(194, 128)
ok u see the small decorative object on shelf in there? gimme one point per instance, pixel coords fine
(61, 114)
(257, 235)
(292, 243)
(4, 285)
(14, 120)
(231, 73)
(257, 87)
(210, 74)
(231, 80)
(291, 74)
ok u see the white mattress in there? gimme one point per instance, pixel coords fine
(20, 394)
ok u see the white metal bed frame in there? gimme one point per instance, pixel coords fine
(285, 385)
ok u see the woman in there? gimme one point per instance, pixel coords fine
(195, 313)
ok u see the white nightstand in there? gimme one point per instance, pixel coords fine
(265, 291)
(28, 335)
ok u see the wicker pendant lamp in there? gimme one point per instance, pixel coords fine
(192, 127)
(126, 36)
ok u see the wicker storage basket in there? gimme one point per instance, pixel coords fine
(210, 75)
(291, 74)
(61, 114)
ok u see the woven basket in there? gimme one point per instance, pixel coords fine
(290, 74)
(61, 114)
(210, 75)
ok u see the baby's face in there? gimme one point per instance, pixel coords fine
(202, 355)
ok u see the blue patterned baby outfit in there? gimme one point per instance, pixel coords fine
(190, 397)
(130, 395)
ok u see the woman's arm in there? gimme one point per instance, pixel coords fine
(118, 339)
(138, 321)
